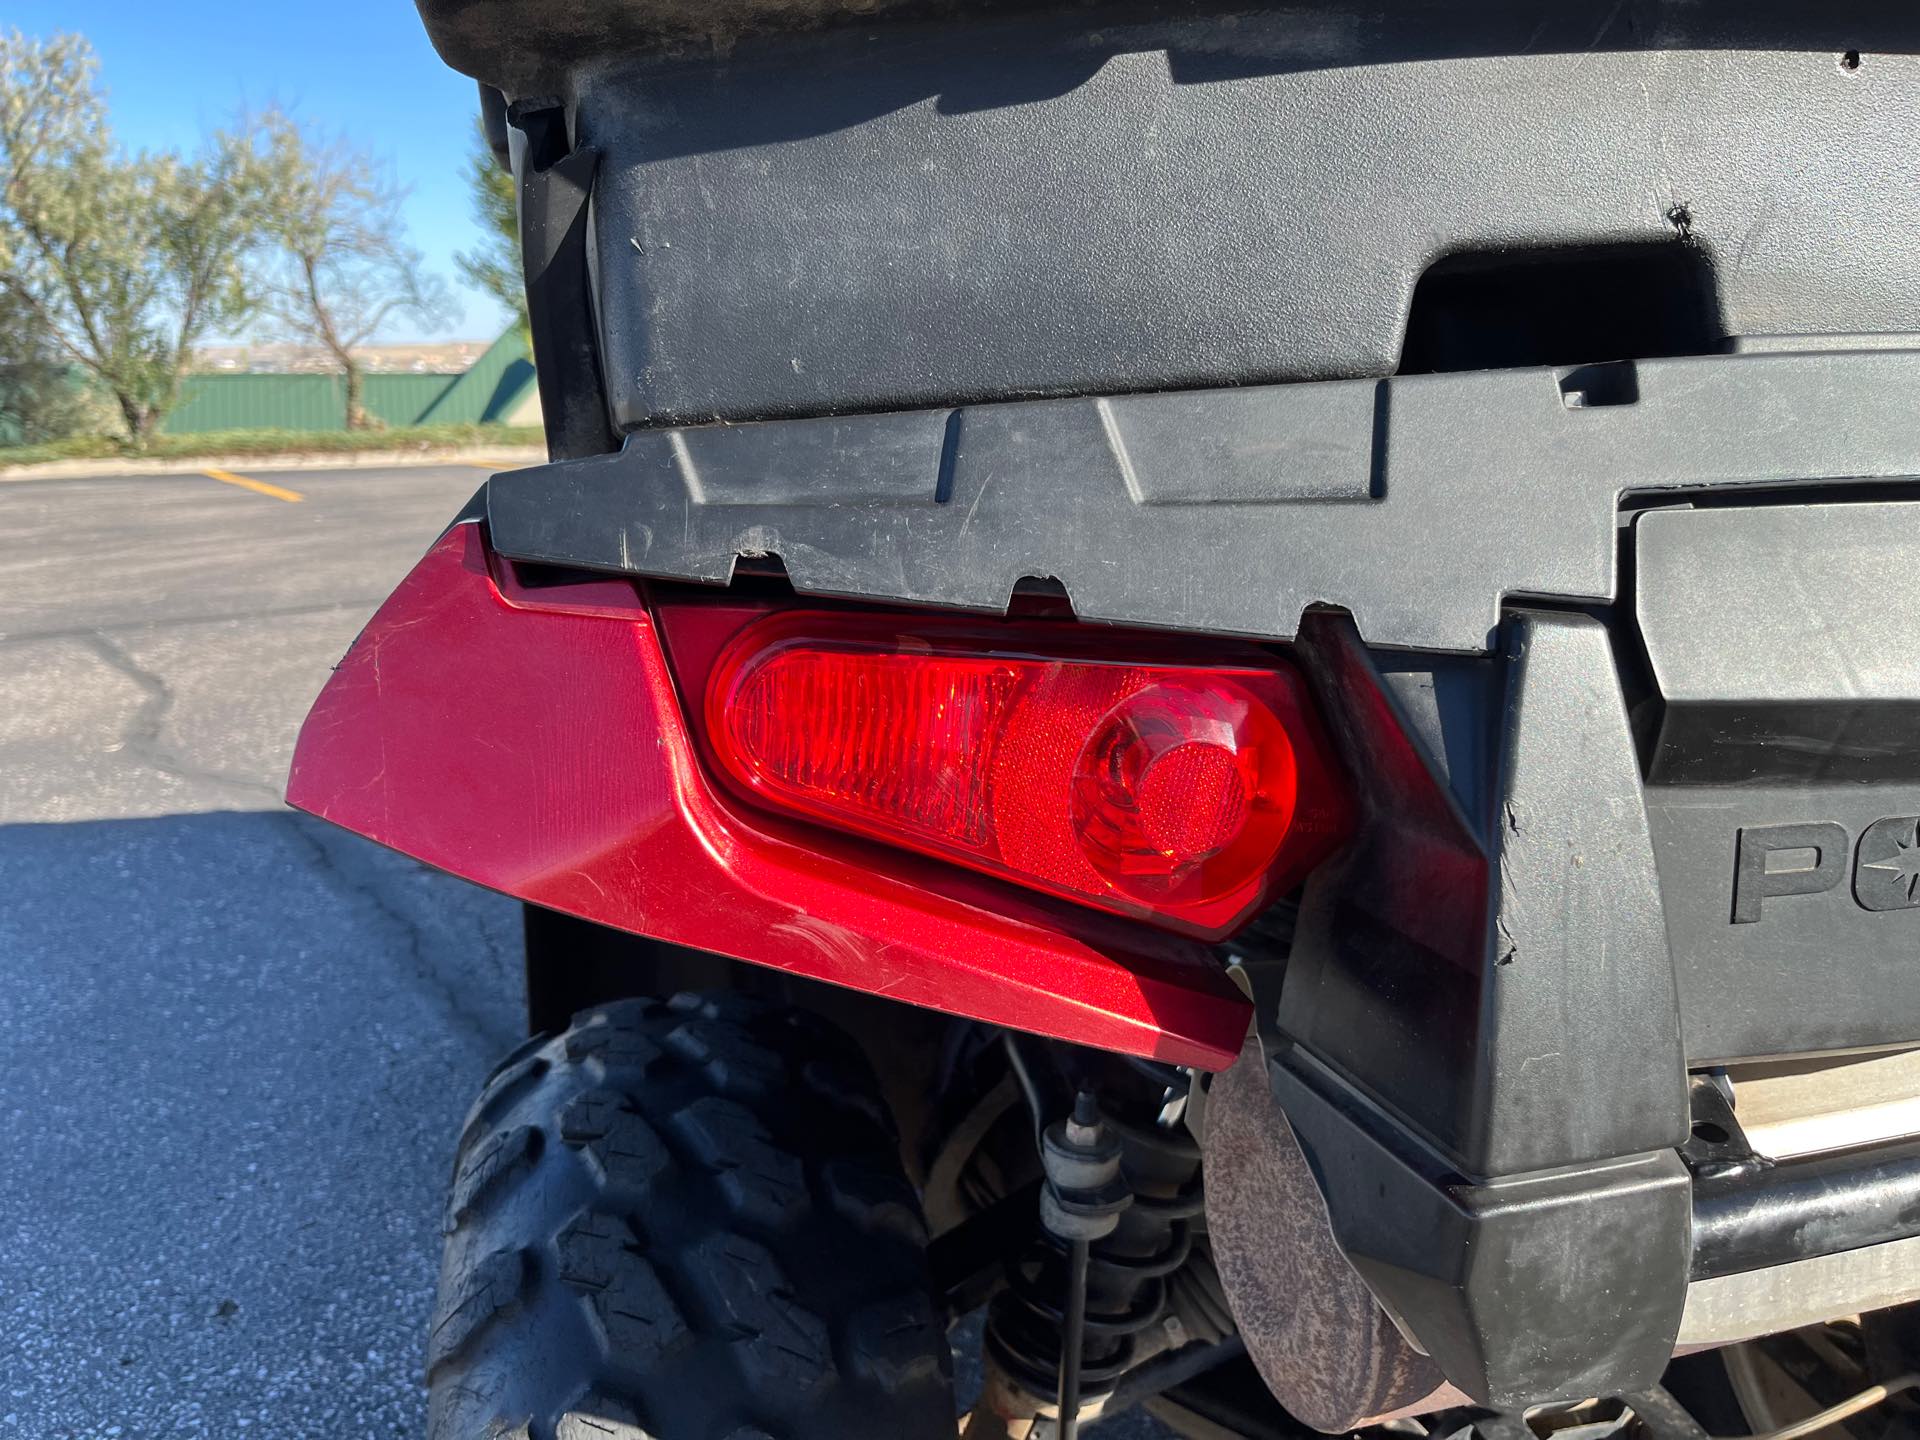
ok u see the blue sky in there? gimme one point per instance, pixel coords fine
(175, 68)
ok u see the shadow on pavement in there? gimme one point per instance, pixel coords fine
(236, 1050)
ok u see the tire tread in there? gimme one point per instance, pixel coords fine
(685, 1221)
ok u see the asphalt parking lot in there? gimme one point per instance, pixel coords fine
(235, 1045)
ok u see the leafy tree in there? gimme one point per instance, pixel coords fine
(495, 265)
(43, 395)
(336, 266)
(123, 262)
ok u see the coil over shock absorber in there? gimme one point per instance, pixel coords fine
(1070, 1322)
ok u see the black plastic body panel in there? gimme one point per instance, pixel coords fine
(1816, 972)
(1479, 1018)
(1524, 1288)
(918, 216)
(1790, 712)
(529, 46)
(1779, 644)
(1524, 919)
(556, 181)
(1415, 504)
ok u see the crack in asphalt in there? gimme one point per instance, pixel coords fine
(339, 859)
(141, 736)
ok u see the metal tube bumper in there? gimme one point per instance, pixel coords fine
(1823, 1205)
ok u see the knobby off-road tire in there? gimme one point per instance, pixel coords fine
(685, 1221)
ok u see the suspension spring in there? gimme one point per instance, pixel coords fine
(1140, 1241)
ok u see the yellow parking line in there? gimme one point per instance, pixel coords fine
(258, 486)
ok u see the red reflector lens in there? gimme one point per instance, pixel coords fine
(1188, 793)
(892, 739)
(1185, 791)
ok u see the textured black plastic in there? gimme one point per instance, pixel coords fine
(896, 215)
(1815, 971)
(556, 182)
(1478, 1040)
(1416, 504)
(1785, 743)
(1780, 644)
(1524, 1288)
(1480, 963)
(1097, 214)
(527, 46)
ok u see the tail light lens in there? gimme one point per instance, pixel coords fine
(1187, 793)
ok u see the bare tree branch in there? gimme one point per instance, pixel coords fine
(337, 266)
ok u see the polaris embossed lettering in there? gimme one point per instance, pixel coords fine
(1810, 858)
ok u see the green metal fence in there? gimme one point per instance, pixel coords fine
(488, 392)
(296, 402)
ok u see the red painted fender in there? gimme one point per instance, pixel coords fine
(531, 741)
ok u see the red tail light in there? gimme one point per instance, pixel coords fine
(1184, 792)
